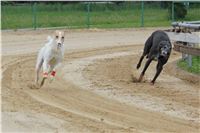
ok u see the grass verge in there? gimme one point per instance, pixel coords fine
(75, 15)
(195, 65)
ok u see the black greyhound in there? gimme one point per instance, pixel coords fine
(158, 48)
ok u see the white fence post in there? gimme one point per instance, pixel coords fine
(189, 60)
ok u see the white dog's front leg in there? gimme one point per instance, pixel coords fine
(45, 69)
(53, 72)
(45, 72)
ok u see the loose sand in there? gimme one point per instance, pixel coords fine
(95, 90)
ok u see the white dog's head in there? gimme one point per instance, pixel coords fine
(59, 38)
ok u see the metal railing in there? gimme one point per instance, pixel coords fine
(185, 41)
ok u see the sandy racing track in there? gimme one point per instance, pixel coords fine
(95, 90)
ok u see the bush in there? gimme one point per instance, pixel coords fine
(180, 11)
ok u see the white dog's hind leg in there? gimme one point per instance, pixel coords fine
(38, 66)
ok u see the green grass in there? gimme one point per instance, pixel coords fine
(195, 65)
(75, 15)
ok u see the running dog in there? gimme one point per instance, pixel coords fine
(50, 57)
(158, 48)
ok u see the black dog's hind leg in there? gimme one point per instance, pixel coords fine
(145, 68)
(147, 48)
(140, 61)
(159, 68)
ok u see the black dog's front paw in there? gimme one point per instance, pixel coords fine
(152, 83)
(138, 66)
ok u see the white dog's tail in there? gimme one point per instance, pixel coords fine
(49, 39)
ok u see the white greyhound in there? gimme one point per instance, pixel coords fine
(50, 57)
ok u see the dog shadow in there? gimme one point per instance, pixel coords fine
(33, 86)
(135, 79)
(41, 84)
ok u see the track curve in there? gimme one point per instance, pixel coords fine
(77, 108)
